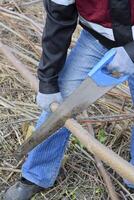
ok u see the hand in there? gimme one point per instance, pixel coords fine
(45, 100)
(121, 62)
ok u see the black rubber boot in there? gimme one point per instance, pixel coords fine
(22, 190)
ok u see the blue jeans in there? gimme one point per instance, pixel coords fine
(43, 162)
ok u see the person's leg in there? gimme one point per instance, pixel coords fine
(44, 161)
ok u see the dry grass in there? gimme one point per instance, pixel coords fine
(21, 28)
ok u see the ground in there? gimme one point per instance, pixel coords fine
(80, 178)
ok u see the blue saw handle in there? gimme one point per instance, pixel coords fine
(102, 78)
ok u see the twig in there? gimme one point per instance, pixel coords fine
(10, 169)
(10, 175)
(122, 186)
(101, 168)
(16, 5)
(23, 37)
(12, 106)
(21, 68)
(30, 3)
(85, 173)
(22, 17)
(123, 195)
(26, 57)
(105, 118)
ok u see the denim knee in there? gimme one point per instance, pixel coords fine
(82, 58)
(67, 87)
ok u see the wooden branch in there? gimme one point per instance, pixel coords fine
(21, 68)
(121, 166)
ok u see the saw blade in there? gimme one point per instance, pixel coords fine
(86, 94)
(92, 88)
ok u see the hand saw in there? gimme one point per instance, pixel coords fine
(92, 88)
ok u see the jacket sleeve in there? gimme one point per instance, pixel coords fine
(130, 50)
(60, 24)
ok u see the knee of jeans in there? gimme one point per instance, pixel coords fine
(67, 87)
